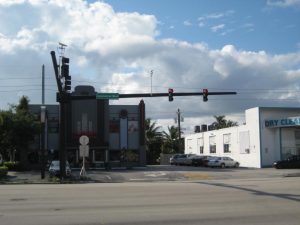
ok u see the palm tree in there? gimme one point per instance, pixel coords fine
(221, 122)
(153, 141)
(171, 141)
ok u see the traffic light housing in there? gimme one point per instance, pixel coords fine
(171, 91)
(65, 66)
(205, 94)
(65, 73)
(67, 83)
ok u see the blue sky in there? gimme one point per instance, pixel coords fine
(251, 47)
(249, 25)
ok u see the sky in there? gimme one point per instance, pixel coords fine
(251, 47)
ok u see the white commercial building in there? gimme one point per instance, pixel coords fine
(269, 134)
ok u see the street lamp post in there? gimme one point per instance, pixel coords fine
(43, 121)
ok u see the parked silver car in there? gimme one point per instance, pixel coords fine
(188, 160)
(174, 158)
(223, 162)
(182, 159)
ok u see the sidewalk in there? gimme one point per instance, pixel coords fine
(99, 175)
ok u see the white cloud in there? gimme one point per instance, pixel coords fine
(115, 52)
(217, 27)
(187, 23)
(283, 3)
(215, 15)
(201, 24)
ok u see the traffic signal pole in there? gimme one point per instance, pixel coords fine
(63, 99)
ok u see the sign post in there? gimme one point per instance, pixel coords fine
(83, 152)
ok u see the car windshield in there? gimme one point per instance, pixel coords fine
(56, 163)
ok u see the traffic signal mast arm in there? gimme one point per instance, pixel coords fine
(146, 95)
(174, 94)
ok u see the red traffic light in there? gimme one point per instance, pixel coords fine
(205, 94)
(171, 91)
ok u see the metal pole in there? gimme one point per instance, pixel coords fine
(151, 74)
(43, 152)
(179, 130)
(62, 141)
(43, 84)
(43, 120)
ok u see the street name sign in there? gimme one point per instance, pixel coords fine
(107, 96)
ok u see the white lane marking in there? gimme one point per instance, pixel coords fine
(108, 177)
(154, 174)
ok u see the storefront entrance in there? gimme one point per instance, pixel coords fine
(290, 142)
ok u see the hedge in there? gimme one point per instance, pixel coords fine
(15, 166)
(3, 171)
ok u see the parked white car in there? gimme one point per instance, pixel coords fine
(223, 162)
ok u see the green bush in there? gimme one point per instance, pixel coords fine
(3, 171)
(12, 166)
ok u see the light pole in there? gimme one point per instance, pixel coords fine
(43, 121)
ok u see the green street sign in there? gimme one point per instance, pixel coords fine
(107, 96)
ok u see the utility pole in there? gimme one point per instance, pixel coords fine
(43, 123)
(43, 85)
(151, 75)
(179, 128)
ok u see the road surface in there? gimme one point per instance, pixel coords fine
(261, 201)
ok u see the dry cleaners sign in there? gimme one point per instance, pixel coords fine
(285, 122)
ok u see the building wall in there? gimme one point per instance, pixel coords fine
(95, 118)
(253, 144)
(277, 141)
(245, 158)
(132, 126)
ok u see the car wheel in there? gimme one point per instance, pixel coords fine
(222, 165)
(236, 165)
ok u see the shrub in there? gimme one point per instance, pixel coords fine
(3, 171)
(12, 166)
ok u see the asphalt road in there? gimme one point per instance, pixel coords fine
(231, 201)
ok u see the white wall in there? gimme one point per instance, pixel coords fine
(265, 143)
(250, 159)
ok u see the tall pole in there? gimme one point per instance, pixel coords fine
(62, 121)
(43, 84)
(179, 129)
(43, 121)
(151, 75)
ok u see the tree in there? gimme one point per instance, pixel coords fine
(221, 122)
(25, 129)
(7, 147)
(18, 128)
(153, 141)
(171, 141)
